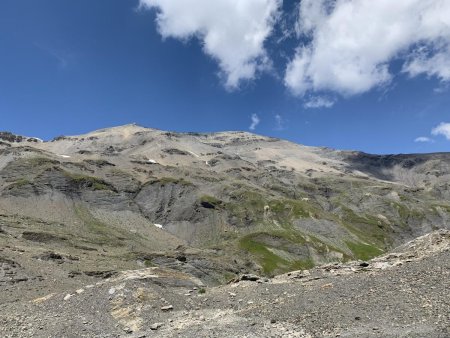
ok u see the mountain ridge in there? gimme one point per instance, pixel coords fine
(218, 132)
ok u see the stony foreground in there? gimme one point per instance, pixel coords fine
(403, 294)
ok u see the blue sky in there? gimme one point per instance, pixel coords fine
(68, 67)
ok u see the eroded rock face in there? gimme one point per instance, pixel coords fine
(10, 137)
(42, 237)
(167, 201)
(11, 272)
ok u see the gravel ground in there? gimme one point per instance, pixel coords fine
(402, 294)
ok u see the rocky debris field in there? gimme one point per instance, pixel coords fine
(404, 293)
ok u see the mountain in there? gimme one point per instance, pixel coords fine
(191, 210)
(213, 205)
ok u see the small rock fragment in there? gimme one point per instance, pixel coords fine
(167, 308)
(155, 326)
(181, 258)
(249, 277)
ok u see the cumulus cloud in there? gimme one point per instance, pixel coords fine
(232, 31)
(347, 45)
(423, 139)
(255, 122)
(319, 102)
(442, 129)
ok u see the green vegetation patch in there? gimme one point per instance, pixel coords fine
(84, 181)
(363, 251)
(406, 213)
(368, 228)
(19, 184)
(99, 232)
(250, 207)
(149, 263)
(351, 217)
(291, 209)
(270, 261)
(29, 167)
(40, 161)
(246, 206)
(304, 264)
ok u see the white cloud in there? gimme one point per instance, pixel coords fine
(352, 43)
(319, 102)
(423, 139)
(442, 129)
(444, 87)
(279, 122)
(232, 31)
(60, 56)
(255, 122)
(423, 61)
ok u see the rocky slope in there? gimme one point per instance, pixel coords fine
(144, 216)
(402, 294)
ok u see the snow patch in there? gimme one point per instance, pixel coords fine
(68, 296)
(159, 226)
(152, 161)
(64, 156)
(192, 153)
